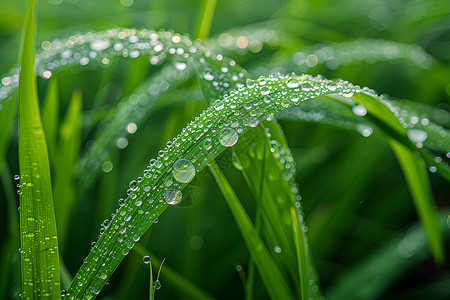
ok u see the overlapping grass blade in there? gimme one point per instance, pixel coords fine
(65, 164)
(413, 168)
(39, 241)
(50, 116)
(268, 270)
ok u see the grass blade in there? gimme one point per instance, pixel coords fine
(302, 256)
(179, 283)
(268, 270)
(39, 242)
(413, 168)
(205, 20)
(416, 177)
(65, 163)
(50, 115)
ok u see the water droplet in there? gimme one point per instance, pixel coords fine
(133, 185)
(63, 293)
(307, 86)
(359, 110)
(16, 177)
(277, 249)
(157, 285)
(250, 83)
(146, 259)
(183, 170)
(292, 83)
(218, 104)
(265, 90)
(207, 144)
(100, 45)
(173, 196)
(417, 135)
(228, 137)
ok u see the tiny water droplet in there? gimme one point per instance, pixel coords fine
(157, 285)
(146, 259)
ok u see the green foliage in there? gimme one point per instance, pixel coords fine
(245, 229)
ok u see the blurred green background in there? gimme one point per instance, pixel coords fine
(354, 195)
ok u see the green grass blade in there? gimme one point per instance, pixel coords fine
(416, 177)
(10, 268)
(302, 256)
(180, 284)
(205, 20)
(66, 158)
(268, 270)
(50, 115)
(8, 114)
(414, 171)
(39, 242)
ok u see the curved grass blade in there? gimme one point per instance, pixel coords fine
(179, 283)
(415, 174)
(268, 270)
(200, 142)
(416, 177)
(39, 242)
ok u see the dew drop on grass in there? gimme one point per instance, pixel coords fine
(359, 110)
(172, 196)
(100, 45)
(207, 144)
(292, 83)
(16, 177)
(228, 137)
(157, 285)
(265, 90)
(146, 259)
(417, 135)
(183, 170)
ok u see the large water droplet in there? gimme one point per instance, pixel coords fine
(100, 45)
(183, 170)
(359, 110)
(172, 196)
(417, 135)
(228, 137)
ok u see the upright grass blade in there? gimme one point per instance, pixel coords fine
(7, 117)
(50, 116)
(205, 20)
(302, 256)
(10, 269)
(268, 270)
(65, 164)
(413, 168)
(39, 242)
